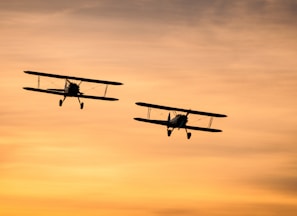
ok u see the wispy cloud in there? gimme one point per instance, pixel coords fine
(177, 212)
(234, 57)
(173, 11)
(282, 180)
(193, 13)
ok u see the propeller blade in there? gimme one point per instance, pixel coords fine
(188, 113)
(168, 120)
(66, 80)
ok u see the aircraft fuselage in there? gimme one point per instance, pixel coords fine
(72, 89)
(178, 121)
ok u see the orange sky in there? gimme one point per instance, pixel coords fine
(232, 57)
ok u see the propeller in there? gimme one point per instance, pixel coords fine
(168, 120)
(65, 86)
(81, 93)
(183, 120)
(188, 113)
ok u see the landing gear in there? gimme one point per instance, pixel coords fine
(81, 103)
(61, 101)
(189, 135)
(169, 132)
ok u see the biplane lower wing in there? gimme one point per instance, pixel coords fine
(180, 110)
(168, 124)
(98, 97)
(160, 122)
(60, 92)
(44, 91)
(202, 129)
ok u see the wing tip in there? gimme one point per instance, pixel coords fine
(28, 88)
(141, 119)
(109, 99)
(144, 104)
(112, 82)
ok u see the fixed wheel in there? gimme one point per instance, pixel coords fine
(81, 105)
(189, 135)
(60, 102)
(169, 132)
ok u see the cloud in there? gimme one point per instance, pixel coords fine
(240, 209)
(193, 13)
(37, 6)
(176, 212)
(281, 180)
(283, 184)
(189, 12)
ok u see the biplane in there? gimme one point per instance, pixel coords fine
(71, 89)
(179, 120)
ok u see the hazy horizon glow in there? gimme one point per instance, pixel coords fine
(232, 57)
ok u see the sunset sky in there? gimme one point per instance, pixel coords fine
(235, 57)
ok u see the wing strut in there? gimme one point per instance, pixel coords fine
(105, 90)
(38, 81)
(149, 112)
(210, 122)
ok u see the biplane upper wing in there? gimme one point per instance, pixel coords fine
(165, 123)
(180, 110)
(61, 92)
(73, 78)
